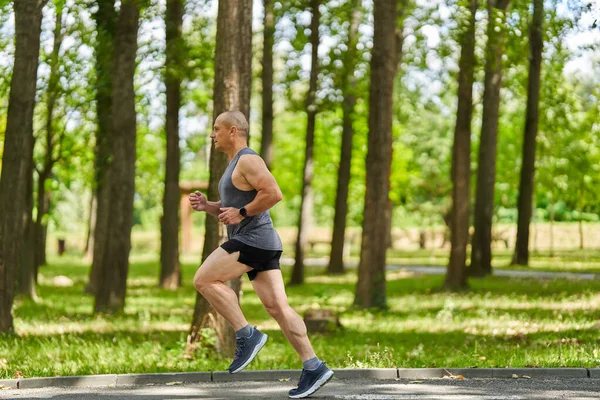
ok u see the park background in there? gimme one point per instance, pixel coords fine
(140, 312)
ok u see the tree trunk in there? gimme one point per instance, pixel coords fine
(106, 21)
(91, 225)
(456, 277)
(371, 286)
(526, 185)
(26, 281)
(43, 195)
(18, 150)
(170, 273)
(266, 148)
(121, 177)
(481, 254)
(336, 258)
(306, 204)
(233, 80)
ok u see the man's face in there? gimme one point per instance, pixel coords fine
(220, 135)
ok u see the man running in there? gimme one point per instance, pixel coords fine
(248, 190)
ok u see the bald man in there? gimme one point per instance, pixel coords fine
(248, 190)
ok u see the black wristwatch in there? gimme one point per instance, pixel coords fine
(243, 212)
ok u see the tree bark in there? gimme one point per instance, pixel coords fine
(266, 148)
(348, 86)
(26, 282)
(106, 21)
(233, 81)
(456, 277)
(91, 227)
(18, 150)
(306, 203)
(526, 185)
(481, 254)
(170, 273)
(43, 194)
(121, 176)
(371, 286)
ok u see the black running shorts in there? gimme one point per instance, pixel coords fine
(258, 259)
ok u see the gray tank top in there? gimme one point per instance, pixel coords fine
(256, 231)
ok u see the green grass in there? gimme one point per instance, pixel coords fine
(499, 322)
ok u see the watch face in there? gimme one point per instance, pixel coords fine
(243, 211)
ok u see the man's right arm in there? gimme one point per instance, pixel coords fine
(213, 208)
(199, 202)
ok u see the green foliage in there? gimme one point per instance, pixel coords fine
(567, 175)
(501, 322)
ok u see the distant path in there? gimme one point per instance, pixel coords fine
(440, 270)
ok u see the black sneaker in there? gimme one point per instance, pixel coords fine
(246, 350)
(311, 381)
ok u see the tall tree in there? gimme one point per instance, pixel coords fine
(233, 81)
(348, 87)
(456, 277)
(306, 203)
(26, 280)
(371, 286)
(170, 272)
(52, 154)
(266, 148)
(18, 150)
(526, 186)
(481, 253)
(106, 21)
(121, 174)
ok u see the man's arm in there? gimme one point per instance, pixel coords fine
(199, 202)
(256, 173)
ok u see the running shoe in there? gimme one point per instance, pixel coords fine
(246, 349)
(311, 381)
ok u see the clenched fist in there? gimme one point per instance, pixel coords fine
(230, 216)
(198, 201)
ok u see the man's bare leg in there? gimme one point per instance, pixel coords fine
(270, 289)
(210, 280)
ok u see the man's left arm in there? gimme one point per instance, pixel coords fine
(256, 173)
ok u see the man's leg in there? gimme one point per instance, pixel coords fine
(269, 287)
(210, 280)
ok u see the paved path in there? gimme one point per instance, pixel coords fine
(355, 389)
(441, 270)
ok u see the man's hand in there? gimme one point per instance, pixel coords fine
(230, 216)
(198, 201)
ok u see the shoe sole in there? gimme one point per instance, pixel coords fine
(317, 385)
(258, 347)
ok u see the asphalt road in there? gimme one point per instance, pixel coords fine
(356, 389)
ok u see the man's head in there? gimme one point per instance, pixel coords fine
(230, 129)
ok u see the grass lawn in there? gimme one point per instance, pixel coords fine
(499, 322)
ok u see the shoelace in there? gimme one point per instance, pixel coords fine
(301, 377)
(240, 342)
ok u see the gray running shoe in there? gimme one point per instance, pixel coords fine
(246, 350)
(311, 381)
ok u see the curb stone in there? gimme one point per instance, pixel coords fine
(594, 373)
(73, 381)
(8, 383)
(222, 376)
(540, 372)
(371, 373)
(144, 379)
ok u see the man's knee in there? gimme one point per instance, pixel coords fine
(202, 282)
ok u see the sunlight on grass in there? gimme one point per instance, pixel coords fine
(498, 322)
